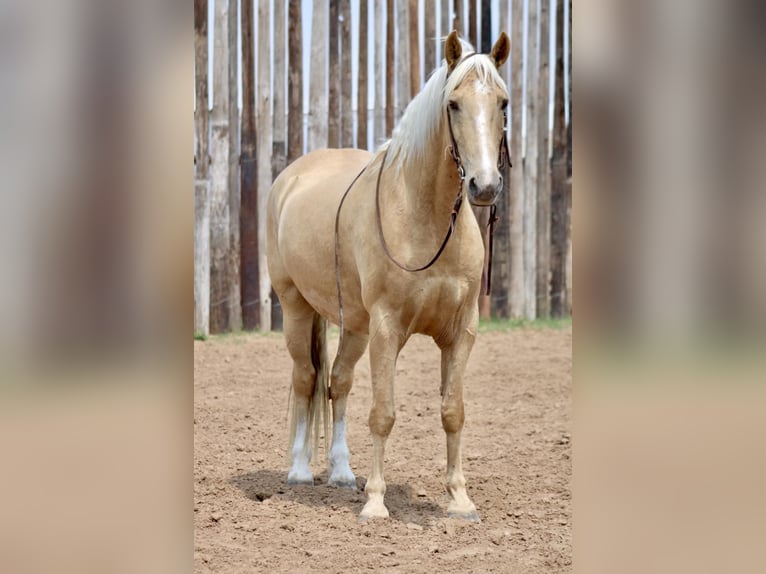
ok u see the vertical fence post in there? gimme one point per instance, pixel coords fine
(402, 62)
(486, 25)
(472, 25)
(457, 18)
(414, 50)
(295, 131)
(516, 211)
(333, 112)
(279, 144)
(559, 219)
(361, 101)
(501, 270)
(248, 221)
(445, 27)
(235, 297)
(544, 167)
(530, 165)
(389, 66)
(346, 111)
(317, 134)
(264, 156)
(219, 181)
(201, 183)
(380, 61)
(429, 42)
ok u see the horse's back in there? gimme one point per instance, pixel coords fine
(320, 172)
(301, 219)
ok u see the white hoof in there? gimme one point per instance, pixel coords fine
(373, 509)
(466, 511)
(470, 516)
(341, 477)
(300, 476)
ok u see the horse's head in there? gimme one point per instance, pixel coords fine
(475, 107)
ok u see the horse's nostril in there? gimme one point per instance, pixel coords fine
(472, 185)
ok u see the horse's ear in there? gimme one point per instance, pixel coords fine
(501, 49)
(453, 49)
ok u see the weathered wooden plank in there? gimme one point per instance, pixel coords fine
(295, 84)
(219, 174)
(530, 165)
(279, 137)
(414, 47)
(201, 181)
(248, 231)
(472, 24)
(379, 66)
(458, 19)
(516, 212)
(486, 25)
(346, 109)
(501, 270)
(317, 132)
(568, 188)
(402, 62)
(389, 67)
(264, 156)
(333, 112)
(361, 102)
(559, 207)
(235, 298)
(445, 27)
(543, 169)
(429, 41)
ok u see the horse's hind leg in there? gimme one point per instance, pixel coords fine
(298, 317)
(349, 353)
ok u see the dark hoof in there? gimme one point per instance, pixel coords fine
(350, 484)
(300, 481)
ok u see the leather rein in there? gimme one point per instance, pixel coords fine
(503, 157)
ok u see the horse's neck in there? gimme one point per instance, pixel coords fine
(430, 186)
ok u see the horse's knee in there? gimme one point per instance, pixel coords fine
(340, 382)
(382, 420)
(453, 416)
(304, 379)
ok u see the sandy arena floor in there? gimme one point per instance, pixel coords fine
(516, 458)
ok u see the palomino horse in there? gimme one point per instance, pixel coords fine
(397, 206)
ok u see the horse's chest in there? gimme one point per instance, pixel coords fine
(436, 301)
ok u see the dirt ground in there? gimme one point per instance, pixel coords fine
(516, 457)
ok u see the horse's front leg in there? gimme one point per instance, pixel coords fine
(385, 344)
(454, 360)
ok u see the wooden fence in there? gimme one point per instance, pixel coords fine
(366, 61)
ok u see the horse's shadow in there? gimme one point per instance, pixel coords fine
(403, 506)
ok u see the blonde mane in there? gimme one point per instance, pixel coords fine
(424, 114)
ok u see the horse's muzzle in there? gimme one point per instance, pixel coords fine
(483, 193)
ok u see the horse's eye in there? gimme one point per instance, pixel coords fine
(504, 105)
(453, 105)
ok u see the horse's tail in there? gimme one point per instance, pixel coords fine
(320, 403)
(319, 409)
